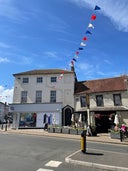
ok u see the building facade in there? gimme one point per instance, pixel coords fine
(42, 96)
(4, 110)
(53, 95)
(103, 99)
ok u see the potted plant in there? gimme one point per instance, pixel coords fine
(115, 133)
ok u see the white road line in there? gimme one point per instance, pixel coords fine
(53, 163)
(44, 169)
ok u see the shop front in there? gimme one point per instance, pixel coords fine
(36, 115)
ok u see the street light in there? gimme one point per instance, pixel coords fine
(6, 115)
(88, 111)
(88, 115)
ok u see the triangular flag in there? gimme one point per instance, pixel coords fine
(93, 17)
(76, 56)
(82, 44)
(81, 48)
(90, 26)
(72, 63)
(74, 59)
(85, 38)
(77, 52)
(97, 8)
(60, 77)
(88, 32)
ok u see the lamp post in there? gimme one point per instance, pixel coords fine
(126, 87)
(6, 116)
(88, 111)
(88, 115)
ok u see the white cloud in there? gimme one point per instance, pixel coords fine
(93, 71)
(25, 60)
(107, 62)
(4, 60)
(6, 95)
(10, 10)
(117, 11)
(51, 54)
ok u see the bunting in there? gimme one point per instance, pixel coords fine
(85, 38)
(89, 31)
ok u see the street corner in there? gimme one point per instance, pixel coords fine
(99, 159)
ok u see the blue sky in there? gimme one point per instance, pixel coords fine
(44, 34)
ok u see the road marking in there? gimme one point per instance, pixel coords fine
(53, 163)
(44, 170)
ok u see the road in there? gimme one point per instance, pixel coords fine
(39, 153)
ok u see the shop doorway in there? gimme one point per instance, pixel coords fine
(103, 122)
(66, 115)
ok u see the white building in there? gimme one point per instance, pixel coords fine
(42, 96)
(53, 95)
(4, 109)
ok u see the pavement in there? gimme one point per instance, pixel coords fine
(98, 159)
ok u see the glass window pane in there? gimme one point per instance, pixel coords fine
(24, 97)
(117, 99)
(53, 79)
(25, 80)
(53, 96)
(99, 100)
(38, 96)
(83, 101)
(39, 79)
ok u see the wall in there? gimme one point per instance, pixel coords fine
(107, 98)
(64, 88)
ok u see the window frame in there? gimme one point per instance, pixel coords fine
(53, 79)
(53, 96)
(99, 100)
(25, 80)
(24, 96)
(115, 96)
(83, 101)
(38, 96)
(39, 79)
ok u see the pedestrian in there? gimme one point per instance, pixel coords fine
(124, 130)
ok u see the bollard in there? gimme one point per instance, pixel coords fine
(5, 127)
(2, 126)
(121, 135)
(83, 141)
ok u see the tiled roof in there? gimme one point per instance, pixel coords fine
(102, 85)
(44, 72)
